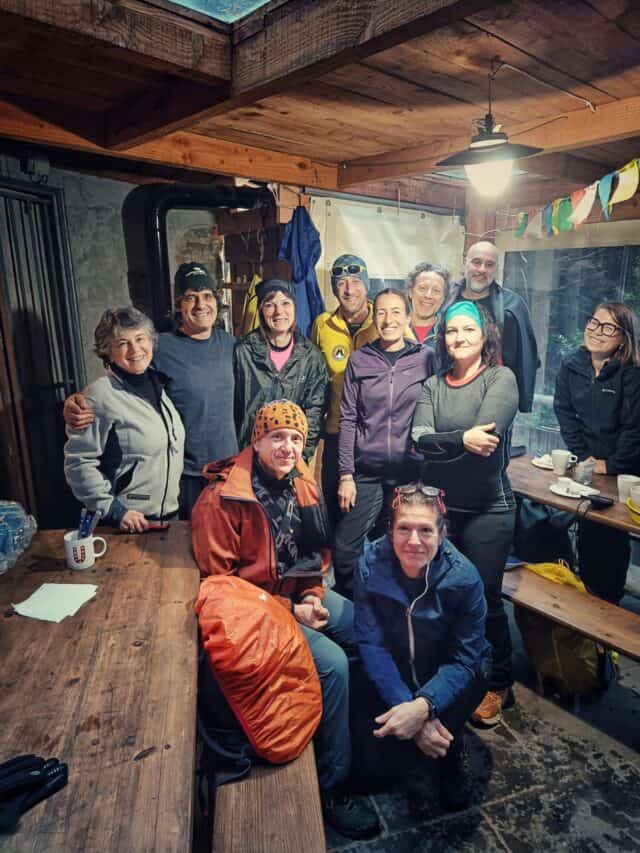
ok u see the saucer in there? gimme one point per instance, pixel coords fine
(585, 491)
(540, 462)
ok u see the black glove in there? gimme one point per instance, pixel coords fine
(24, 782)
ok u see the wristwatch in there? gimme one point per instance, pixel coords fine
(433, 711)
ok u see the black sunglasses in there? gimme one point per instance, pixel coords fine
(350, 269)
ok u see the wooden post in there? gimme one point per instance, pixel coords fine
(479, 218)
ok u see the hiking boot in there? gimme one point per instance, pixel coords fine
(489, 711)
(456, 777)
(349, 815)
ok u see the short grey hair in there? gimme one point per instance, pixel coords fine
(114, 319)
(424, 266)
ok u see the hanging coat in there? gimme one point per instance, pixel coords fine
(250, 309)
(301, 247)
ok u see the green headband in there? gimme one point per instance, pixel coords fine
(465, 307)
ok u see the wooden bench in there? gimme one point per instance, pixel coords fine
(275, 808)
(612, 626)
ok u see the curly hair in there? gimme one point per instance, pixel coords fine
(491, 354)
(424, 266)
(114, 319)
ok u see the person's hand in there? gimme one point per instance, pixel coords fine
(133, 522)
(599, 466)
(403, 721)
(347, 494)
(433, 739)
(77, 412)
(479, 440)
(311, 612)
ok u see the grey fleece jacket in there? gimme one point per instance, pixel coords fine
(130, 457)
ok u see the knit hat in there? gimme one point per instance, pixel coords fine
(280, 414)
(341, 267)
(192, 276)
(272, 285)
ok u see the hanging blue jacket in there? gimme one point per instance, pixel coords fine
(444, 625)
(301, 247)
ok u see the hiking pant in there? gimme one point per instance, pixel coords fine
(333, 740)
(485, 539)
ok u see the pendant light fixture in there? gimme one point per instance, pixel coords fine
(488, 161)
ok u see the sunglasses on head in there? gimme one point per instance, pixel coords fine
(402, 493)
(350, 269)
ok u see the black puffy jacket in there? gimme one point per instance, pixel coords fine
(303, 380)
(599, 416)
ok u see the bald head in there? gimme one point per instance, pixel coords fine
(480, 268)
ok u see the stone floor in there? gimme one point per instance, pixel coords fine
(548, 779)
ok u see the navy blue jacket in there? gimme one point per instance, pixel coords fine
(448, 624)
(301, 247)
(519, 347)
(599, 416)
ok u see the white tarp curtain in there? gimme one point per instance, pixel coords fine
(389, 239)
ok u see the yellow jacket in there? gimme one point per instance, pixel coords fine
(330, 333)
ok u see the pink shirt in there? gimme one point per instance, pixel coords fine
(281, 356)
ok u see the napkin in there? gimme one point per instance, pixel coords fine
(52, 602)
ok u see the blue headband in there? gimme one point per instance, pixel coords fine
(464, 307)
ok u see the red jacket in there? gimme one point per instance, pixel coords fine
(231, 532)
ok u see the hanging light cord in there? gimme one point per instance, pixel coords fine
(496, 66)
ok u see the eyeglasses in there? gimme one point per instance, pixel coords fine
(402, 493)
(350, 269)
(609, 330)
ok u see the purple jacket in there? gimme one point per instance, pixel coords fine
(378, 402)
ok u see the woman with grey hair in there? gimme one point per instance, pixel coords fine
(127, 463)
(428, 287)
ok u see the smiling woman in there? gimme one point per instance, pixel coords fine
(127, 463)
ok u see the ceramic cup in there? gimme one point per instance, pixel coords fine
(635, 495)
(583, 472)
(561, 460)
(81, 553)
(625, 484)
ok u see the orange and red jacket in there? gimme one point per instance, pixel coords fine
(231, 532)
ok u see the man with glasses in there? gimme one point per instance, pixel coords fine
(510, 312)
(337, 334)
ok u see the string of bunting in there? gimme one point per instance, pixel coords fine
(568, 213)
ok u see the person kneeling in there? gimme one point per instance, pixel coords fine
(420, 625)
(261, 518)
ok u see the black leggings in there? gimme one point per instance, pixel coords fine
(485, 539)
(603, 558)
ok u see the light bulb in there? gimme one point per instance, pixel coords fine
(490, 178)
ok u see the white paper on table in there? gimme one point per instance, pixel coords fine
(54, 601)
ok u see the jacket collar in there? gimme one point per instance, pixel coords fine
(338, 321)
(580, 361)
(384, 569)
(236, 474)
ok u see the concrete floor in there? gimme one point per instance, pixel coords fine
(547, 779)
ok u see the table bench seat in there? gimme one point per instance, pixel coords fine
(612, 626)
(275, 808)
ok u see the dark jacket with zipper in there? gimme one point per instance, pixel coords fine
(432, 646)
(303, 380)
(599, 416)
(130, 457)
(378, 401)
(232, 535)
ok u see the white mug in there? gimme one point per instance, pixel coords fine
(625, 484)
(81, 553)
(561, 460)
(635, 494)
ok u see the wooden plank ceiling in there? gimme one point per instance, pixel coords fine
(348, 93)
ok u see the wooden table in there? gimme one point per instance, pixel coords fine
(532, 482)
(111, 691)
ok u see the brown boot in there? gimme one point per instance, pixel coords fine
(489, 711)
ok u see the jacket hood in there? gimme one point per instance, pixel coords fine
(380, 569)
(235, 474)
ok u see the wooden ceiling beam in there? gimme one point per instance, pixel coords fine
(561, 133)
(149, 36)
(566, 167)
(183, 150)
